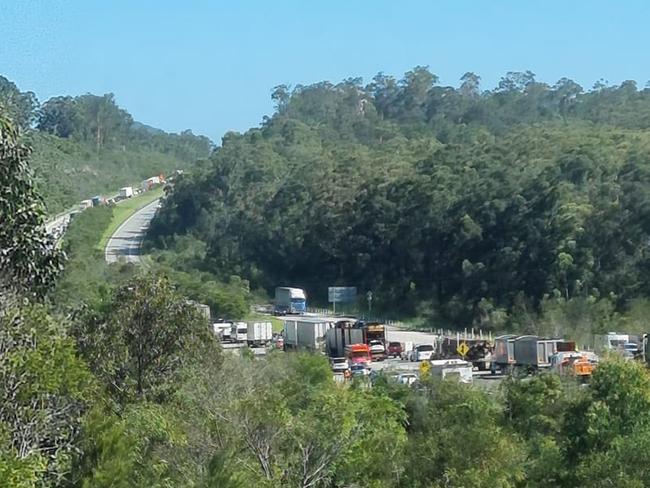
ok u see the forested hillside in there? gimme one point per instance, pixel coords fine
(87, 145)
(453, 203)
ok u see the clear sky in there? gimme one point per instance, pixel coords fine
(210, 65)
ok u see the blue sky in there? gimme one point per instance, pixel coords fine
(210, 65)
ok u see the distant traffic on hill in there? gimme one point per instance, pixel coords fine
(88, 145)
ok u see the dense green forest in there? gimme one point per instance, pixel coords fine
(88, 145)
(460, 205)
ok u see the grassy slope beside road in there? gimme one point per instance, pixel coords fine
(124, 210)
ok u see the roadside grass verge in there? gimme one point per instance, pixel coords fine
(124, 210)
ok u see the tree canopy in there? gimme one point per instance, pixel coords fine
(464, 204)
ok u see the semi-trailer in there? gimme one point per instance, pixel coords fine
(306, 333)
(289, 301)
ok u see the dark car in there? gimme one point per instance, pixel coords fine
(394, 349)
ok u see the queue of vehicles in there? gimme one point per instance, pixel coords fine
(352, 345)
(252, 333)
(57, 226)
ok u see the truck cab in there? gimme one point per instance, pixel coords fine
(358, 354)
(239, 332)
(289, 301)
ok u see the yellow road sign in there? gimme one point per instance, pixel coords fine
(462, 349)
(425, 367)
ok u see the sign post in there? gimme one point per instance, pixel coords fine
(341, 294)
(462, 349)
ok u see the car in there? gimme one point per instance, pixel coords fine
(394, 349)
(631, 347)
(339, 364)
(407, 378)
(360, 369)
(421, 352)
(377, 349)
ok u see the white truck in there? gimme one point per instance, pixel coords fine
(306, 333)
(223, 330)
(239, 332)
(126, 192)
(289, 301)
(259, 333)
(455, 369)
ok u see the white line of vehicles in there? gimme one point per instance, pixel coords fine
(252, 333)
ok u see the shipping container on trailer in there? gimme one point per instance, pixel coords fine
(504, 354)
(259, 333)
(533, 351)
(306, 333)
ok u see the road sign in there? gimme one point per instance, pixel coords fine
(462, 349)
(425, 367)
(342, 294)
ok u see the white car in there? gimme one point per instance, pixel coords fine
(421, 352)
(339, 365)
(377, 346)
(407, 378)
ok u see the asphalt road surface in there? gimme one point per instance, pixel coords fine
(124, 244)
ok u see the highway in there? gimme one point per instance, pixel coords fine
(124, 244)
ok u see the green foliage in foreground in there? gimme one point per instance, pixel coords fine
(282, 421)
(28, 259)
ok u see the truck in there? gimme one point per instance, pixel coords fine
(357, 354)
(306, 333)
(534, 352)
(223, 330)
(612, 341)
(149, 183)
(479, 350)
(347, 332)
(259, 333)
(574, 363)
(375, 337)
(503, 356)
(126, 192)
(289, 301)
(456, 369)
(342, 334)
(202, 309)
(239, 332)
(85, 204)
(97, 200)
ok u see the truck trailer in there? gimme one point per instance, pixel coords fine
(289, 301)
(534, 352)
(503, 356)
(347, 332)
(452, 369)
(306, 333)
(342, 334)
(259, 333)
(126, 192)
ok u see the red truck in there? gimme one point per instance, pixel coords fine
(394, 350)
(358, 354)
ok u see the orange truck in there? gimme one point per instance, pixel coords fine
(357, 354)
(574, 363)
